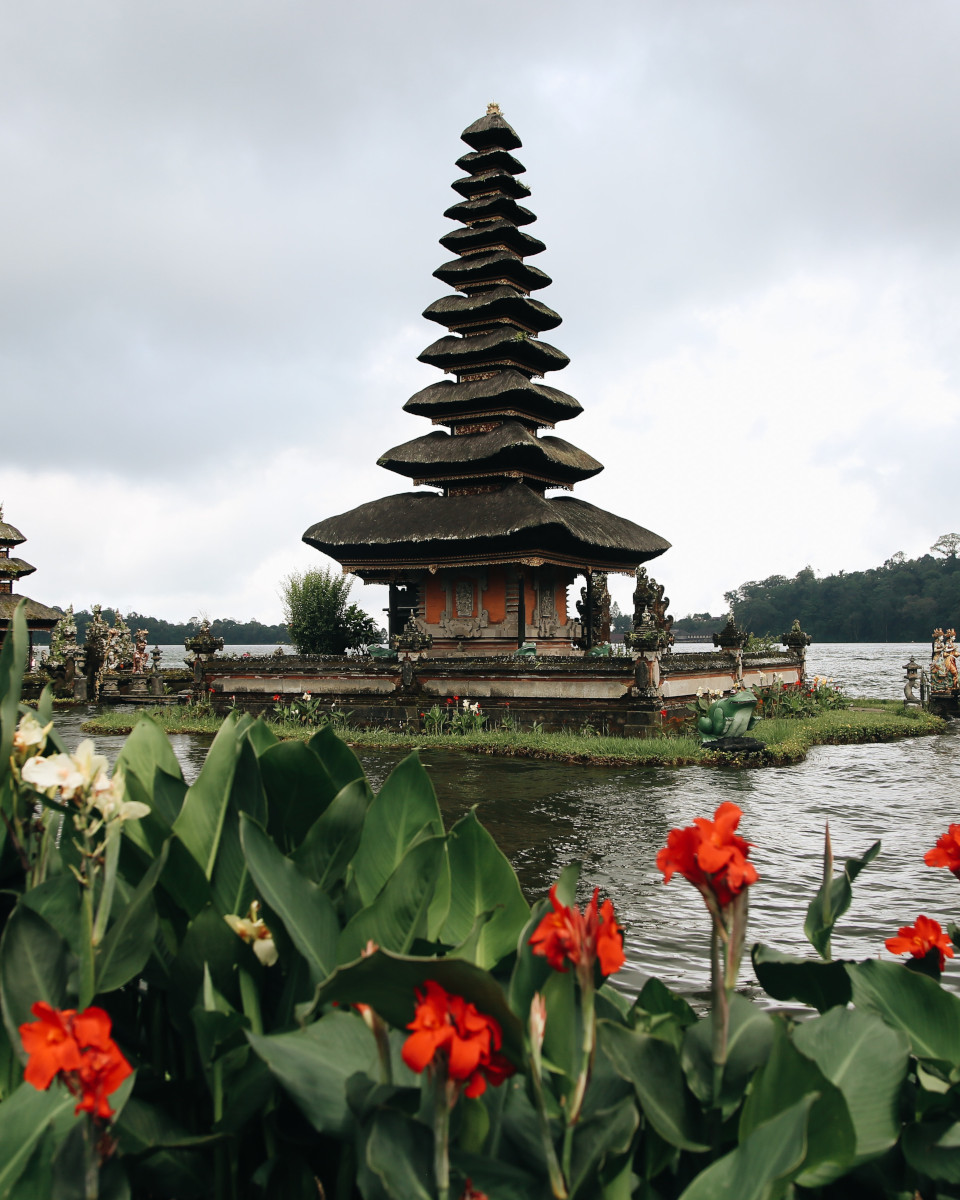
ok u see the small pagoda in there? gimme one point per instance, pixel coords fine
(482, 563)
(40, 619)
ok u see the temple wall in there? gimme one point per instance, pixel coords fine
(558, 692)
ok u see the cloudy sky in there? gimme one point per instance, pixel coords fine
(220, 221)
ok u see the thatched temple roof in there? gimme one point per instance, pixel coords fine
(40, 618)
(493, 466)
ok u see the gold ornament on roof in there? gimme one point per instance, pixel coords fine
(493, 110)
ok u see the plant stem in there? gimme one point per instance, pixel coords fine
(441, 1129)
(87, 982)
(250, 1001)
(720, 1016)
(589, 1034)
(112, 858)
(91, 1179)
(558, 1184)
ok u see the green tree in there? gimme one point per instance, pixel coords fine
(947, 544)
(319, 619)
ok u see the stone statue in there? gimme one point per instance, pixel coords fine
(594, 609)
(730, 717)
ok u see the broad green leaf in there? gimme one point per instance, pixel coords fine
(867, 1061)
(399, 913)
(200, 823)
(493, 1177)
(599, 1141)
(303, 906)
(531, 971)
(13, 664)
(339, 760)
(27, 1114)
(388, 982)
(403, 811)
(398, 1150)
(785, 1079)
(165, 1164)
(45, 705)
(481, 880)
(820, 984)
(832, 901)
(298, 788)
(34, 966)
(562, 1042)
(129, 940)
(933, 1148)
(748, 1044)
(653, 1067)
(57, 900)
(332, 840)
(927, 1013)
(147, 750)
(208, 943)
(232, 886)
(314, 1064)
(771, 1156)
(261, 736)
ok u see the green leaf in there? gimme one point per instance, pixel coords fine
(772, 1155)
(34, 965)
(786, 1078)
(915, 1004)
(45, 705)
(820, 984)
(339, 760)
(332, 840)
(27, 1114)
(261, 736)
(209, 942)
(388, 983)
(129, 940)
(749, 1041)
(826, 909)
(404, 811)
(147, 750)
(301, 905)
(868, 1062)
(599, 1140)
(232, 886)
(200, 823)
(298, 789)
(531, 971)
(399, 1151)
(314, 1064)
(167, 1166)
(653, 1067)
(933, 1148)
(57, 900)
(493, 1176)
(562, 1043)
(13, 664)
(481, 880)
(399, 913)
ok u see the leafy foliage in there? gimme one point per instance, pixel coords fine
(319, 619)
(265, 1071)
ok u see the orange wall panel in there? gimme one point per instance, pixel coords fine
(495, 595)
(436, 600)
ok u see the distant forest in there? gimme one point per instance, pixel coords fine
(169, 633)
(902, 601)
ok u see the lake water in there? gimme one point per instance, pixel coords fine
(615, 820)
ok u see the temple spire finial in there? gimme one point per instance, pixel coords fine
(493, 109)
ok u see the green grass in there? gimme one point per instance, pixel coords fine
(787, 740)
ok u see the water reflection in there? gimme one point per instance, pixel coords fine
(616, 819)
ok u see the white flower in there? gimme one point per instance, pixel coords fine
(30, 733)
(90, 766)
(306, 695)
(255, 933)
(466, 704)
(108, 798)
(55, 771)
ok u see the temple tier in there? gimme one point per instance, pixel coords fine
(484, 564)
(40, 618)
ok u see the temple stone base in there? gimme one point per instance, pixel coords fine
(622, 695)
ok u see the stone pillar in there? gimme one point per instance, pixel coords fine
(797, 641)
(731, 640)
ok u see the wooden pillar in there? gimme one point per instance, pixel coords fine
(521, 612)
(588, 632)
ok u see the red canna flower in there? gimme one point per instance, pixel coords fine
(78, 1049)
(471, 1193)
(451, 1027)
(567, 935)
(919, 939)
(946, 853)
(710, 855)
(277, 697)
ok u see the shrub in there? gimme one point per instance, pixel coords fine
(319, 619)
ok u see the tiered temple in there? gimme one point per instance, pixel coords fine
(40, 619)
(484, 563)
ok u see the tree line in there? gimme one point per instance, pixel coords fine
(169, 633)
(902, 601)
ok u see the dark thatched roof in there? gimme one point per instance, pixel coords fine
(477, 269)
(510, 447)
(490, 206)
(500, 348)
(15, 567)
(506, 392)
(485, 160)
(39, 617)
(513, 524)
(491, 130)
(495, 181)
(493, 234)
(10, 535)
(495, 304)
